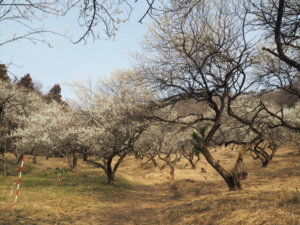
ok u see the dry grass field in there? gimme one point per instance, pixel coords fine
(145, 195)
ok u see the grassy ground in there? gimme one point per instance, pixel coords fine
(146, 196)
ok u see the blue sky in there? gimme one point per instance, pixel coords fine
(66, 62)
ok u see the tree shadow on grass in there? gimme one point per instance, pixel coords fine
(25, 216)
(139, 204)
(15, 170)
(282, 172)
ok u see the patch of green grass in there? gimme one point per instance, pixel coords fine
(45, 200)
(295, 199)
(15, 169)
(72, 183)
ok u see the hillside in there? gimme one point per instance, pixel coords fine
(146, 196)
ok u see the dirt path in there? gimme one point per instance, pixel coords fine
(147, 204)
(192, 200)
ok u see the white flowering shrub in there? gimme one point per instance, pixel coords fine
(15, 105)
(114, 115)
(52, 129)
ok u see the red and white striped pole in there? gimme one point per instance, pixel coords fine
(19, 179)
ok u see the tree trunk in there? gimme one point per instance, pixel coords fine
(109, 171)
(85, 157)
(34, 161)
(192, 163)
(110, 176)
(274, 150)
(70, 162)
(6, 169)
(172, 170)
(85, 154)
(265, 162)
(232, 178)
(264, 158)
(74, 161)
(154, 161)
(237, 174)
(233, 182)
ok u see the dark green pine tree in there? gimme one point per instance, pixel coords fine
(3, 73)
(55, 93)
(26, 82)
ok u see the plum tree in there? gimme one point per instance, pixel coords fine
(114, 111)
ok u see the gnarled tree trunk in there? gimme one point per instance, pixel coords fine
(74, 160)
(85, 154)
(233, 177)
(262, 154)
(237, 174)
(192, 163)
(110, 174)
(108, 167)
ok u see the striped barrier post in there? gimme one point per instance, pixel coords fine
(19, 179)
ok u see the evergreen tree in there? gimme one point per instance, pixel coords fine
(3, 73)
(26, 82)
(55, 93)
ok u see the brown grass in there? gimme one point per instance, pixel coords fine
(146, 196)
